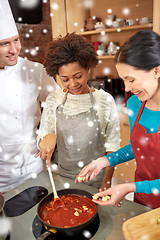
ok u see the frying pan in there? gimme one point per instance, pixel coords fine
(71, 230)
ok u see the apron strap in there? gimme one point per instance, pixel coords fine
(140, 111)
(91, 95)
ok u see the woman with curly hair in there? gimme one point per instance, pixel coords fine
(83, 122)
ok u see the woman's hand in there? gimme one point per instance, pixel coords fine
(47, 146)
(90, 171)
(117, 193)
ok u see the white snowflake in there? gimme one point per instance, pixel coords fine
(33, 52)
(34, 175)
(80, 164)
(130, 113)
(55, 6)
(155, 191)
(90, 124)
(43, 104)
(70, 140)
(66, 185)
(45, 30)
(24, 68)
(126, 11)
(37, 48)
(103, 33)
(143, 140)
(87, 234)
(106, 70)
(19, 19)
(54, 167)
(107, 145)
(75, 24)
(109, 10)
(49, 88)
(27, 35)
(26, 50)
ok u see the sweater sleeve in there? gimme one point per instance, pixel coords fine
(120, 156)
(148, 187)
(48, 119)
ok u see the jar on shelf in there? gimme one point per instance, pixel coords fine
(112, 48)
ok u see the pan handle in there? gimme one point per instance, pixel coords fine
(43, 236)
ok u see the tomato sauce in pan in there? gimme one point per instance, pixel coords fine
(78, 209)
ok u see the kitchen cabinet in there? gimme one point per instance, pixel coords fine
(71, 15)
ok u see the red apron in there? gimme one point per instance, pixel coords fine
(146, 148)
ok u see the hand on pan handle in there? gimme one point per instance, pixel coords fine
(116, 193)
(90, 171)
(47, 146)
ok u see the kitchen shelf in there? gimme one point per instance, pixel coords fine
(106, 57)
(119, 29)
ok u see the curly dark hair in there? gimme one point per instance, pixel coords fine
(69, 49)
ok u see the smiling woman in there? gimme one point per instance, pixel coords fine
(138, 64)
(82, 121)
(76, 83)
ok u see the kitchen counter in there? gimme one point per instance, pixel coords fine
(111, 218)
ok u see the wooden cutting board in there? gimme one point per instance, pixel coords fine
(143, 226)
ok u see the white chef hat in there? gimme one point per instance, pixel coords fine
(7, 24)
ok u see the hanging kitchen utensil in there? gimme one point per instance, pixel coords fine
(57, 202)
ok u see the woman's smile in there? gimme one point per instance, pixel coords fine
(76, 89)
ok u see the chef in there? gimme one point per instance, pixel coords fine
(24, 85)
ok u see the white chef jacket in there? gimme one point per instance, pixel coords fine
(23, 88)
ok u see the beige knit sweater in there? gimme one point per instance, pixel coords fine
(103, 103)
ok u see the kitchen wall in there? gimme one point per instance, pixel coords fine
(35, 37)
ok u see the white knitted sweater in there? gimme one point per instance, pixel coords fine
(75, 104)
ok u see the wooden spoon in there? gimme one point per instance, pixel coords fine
(57, 202)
